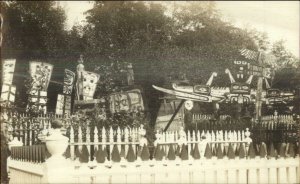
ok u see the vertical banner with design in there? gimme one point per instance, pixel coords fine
(63, 104)
(69, 79)
(40, 73)
(8, 90)
(38, 100)
(89, 83)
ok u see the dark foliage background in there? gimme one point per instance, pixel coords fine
(194, 41)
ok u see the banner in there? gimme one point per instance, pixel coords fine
(8, 93)
(41, 74)
(38, 100)
(88, 84)
(129, 101)
(63, 105)
(255, 70)
(249, 54)
(8, 71)
(69, 79)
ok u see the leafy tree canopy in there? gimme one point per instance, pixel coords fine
(33, 29)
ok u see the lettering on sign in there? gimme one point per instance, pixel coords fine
(255, 70)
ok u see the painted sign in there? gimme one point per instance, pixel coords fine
(255, 70)
(129, 101)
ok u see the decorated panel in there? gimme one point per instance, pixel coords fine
(69, 79)
(129, 101)
(8, 69)
(41, 74)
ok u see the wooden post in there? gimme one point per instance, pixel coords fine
(173, 116)
(259, 93)
(130, 75)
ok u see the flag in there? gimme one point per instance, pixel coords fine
(68, 82)
(249, 54)
(8, 71)
(40, 73)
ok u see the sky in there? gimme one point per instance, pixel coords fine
(279, 19)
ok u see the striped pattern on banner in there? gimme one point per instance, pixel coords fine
(249, 54)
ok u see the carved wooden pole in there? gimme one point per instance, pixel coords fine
(130, 75)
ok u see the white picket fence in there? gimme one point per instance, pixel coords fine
(202, 170)
(124, 137)
(196, 171)
(258, 170)
(287, 119)
(109, 138)
(197, 117)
